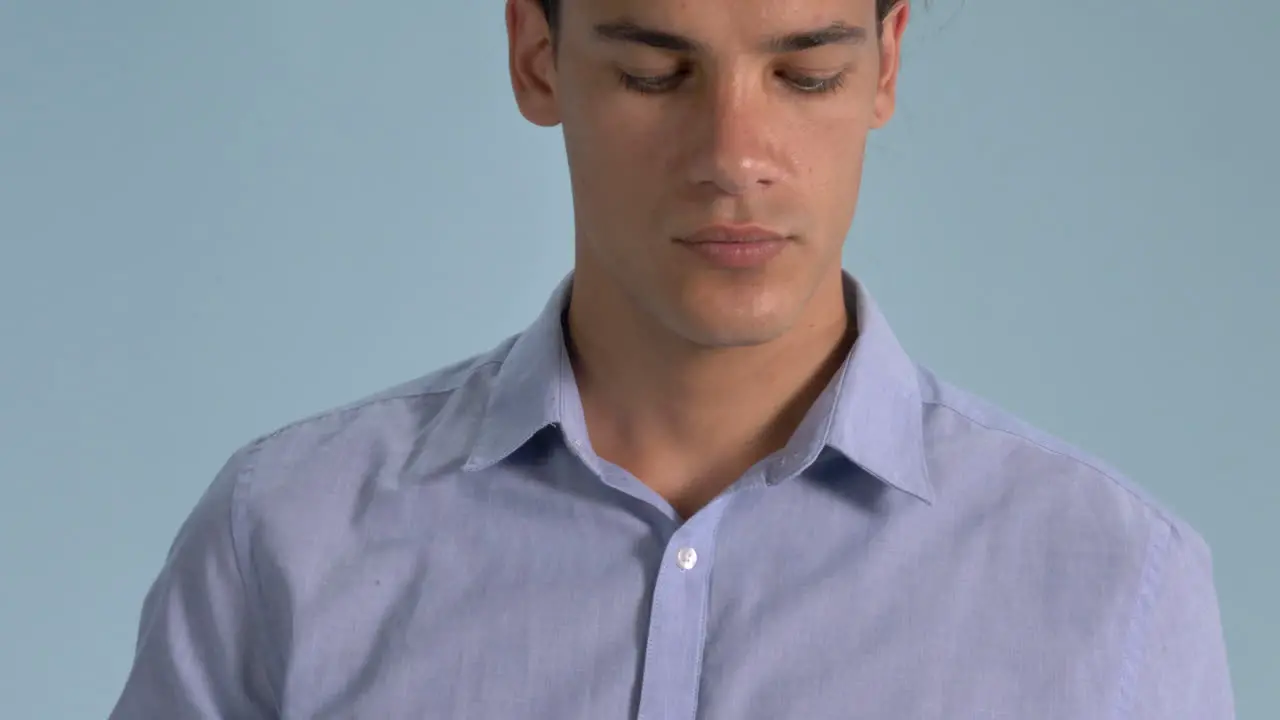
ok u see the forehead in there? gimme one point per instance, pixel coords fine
(716, 20)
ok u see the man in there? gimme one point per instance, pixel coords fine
(706, 482)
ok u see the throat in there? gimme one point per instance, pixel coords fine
(694, 439)
(690, 420)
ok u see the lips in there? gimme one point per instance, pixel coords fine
(733, 234)
(736, 247)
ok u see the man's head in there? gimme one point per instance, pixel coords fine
(681, 119)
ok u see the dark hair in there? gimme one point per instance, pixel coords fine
(552, 10)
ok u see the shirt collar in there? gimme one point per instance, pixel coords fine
(870, 412)
(873, 408)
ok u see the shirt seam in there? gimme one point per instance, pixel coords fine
(371, 402)
(1107, 474)
(1133, 653)
(250, 581)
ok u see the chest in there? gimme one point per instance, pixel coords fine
(729, 619)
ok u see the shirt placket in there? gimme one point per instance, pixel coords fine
(678, 620)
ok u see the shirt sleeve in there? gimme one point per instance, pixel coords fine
(1180, 668)
(198, 652)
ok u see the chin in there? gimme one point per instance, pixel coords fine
(725, 340)
(713, 315)
(728, 330)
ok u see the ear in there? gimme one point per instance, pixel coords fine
(533, 62)
(894, 25)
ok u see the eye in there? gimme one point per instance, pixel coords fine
(652, 84)
(814, 84)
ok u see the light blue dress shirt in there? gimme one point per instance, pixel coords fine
(453, 548)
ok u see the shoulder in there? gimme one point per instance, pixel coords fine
(1070, 531)
(991, 461)
(1060, 540)
(328, 456)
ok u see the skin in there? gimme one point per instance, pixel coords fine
(691, 373)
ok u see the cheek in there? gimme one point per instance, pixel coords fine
(618, 174)
(830, 153)
(831, 158)
(636, 133)
(627, 153)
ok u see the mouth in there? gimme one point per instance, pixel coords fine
(736, 247)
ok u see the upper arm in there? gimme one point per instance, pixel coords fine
(197, 652)
(1178, 664)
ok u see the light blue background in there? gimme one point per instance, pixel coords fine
(218, 217)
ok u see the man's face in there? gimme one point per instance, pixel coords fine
(682, 117)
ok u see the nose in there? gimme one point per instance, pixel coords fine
(735, 146)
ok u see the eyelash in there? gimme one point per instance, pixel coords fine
(656, 85)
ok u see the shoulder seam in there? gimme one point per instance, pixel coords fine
(1133, 653)
(244, 565)
(367, 403)
(1110, 476)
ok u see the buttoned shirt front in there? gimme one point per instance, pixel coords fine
(454, 548)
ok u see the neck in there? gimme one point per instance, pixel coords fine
(688, 420)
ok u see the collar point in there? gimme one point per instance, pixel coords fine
(476, 462)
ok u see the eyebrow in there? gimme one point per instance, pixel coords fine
(837, 33)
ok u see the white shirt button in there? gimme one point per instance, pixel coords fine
(686, 558)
